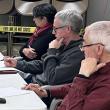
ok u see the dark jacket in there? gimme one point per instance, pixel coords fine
(40, 44)
(57, 67)
(91, 93)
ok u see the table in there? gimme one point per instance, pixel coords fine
(21, 102)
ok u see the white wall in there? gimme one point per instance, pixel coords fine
(98, 10)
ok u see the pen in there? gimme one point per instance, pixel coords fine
(29, 46)
(2, 60)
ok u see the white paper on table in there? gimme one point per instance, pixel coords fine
(1, 56)
(2, 64)
(11, 91)
(4, 68)
(8, 69)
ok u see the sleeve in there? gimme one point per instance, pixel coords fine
(59, 91)
(63, 70)
(41, 44)
(81, 97)
(21, 50)
(33, 67)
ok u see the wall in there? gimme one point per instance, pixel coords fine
(98, 10)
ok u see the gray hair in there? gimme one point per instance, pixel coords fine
(99, 32)
(71, 18)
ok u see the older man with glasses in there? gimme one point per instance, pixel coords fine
(62, 61)
(90, 89)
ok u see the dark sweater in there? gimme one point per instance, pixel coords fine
(40, 44)
(58, 66)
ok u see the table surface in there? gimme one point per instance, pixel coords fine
(28, 101)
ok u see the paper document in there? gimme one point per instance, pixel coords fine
(1, 56)
(11, 91)
(8, 69)
(4, 68)
(2, 64)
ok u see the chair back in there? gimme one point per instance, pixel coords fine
(6, 6)
(78, 5)
(25, 7)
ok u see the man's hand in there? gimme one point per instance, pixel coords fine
(37, 89)
(56, 43)
(30, 53)
(89, 66)
(10, 62)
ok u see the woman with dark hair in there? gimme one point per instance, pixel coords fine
(38, 43)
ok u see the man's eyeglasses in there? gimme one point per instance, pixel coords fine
(88, 45)
(55, 28)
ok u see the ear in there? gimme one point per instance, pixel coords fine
(100, 49)
(68, 29)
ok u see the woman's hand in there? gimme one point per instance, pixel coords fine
(30, 53)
